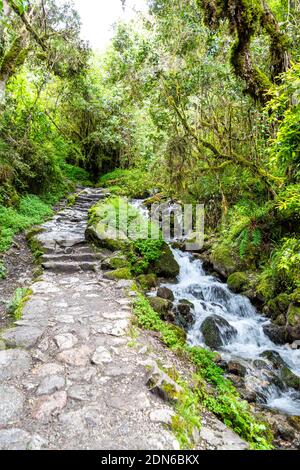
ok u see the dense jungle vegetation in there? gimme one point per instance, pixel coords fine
(198, 100)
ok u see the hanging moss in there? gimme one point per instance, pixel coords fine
(246, 19)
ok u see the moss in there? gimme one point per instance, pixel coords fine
(224, 260)
(122, 273)
(238, 281)
(294, 315)
(161, 306)
(3, 271)
(34, 244)
(117, 261)
(147, 281)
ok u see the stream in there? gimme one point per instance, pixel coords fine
(210, 296)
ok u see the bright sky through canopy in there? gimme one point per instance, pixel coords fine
(98, 16)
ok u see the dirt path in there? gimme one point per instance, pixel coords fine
(71, 379)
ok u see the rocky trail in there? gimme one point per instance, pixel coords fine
(70, 375)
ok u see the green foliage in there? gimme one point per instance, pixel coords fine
(133, 183)
(141, 250)
(30, 211)
(222, 399)
(15, 306)
(3, 271)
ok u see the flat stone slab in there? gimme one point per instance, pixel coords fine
(49, 405)
(13, 363)
(11, 405)
(22, 336)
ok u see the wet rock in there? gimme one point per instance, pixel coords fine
(11, 405)
(165, 293)
(295, 344)
(217, 331)
(286, 375)
(185, 316)
(277, 334)
(196, 291)
(280, 320)
(13, 363)
(163, 307)
(236, 368)
(166, 266)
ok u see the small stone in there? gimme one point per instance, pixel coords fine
(49, 405)
(48, 369)
(51, 384)
(66, 341)
(11, 405)
(163, 415)
(161, 384)
(77, 356)
(13, 363)
(101, 356)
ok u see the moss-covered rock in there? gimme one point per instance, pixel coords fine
(294, 315)
(162, 306)
(105, 237)
(117, 261)
(117, 274)
(224, 260)
(166, 265)
(238, 282)
(147, 281)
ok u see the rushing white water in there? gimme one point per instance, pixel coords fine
(211, 297)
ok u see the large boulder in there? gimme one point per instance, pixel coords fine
(277, 334)
(217, 331)
(117, 274)
(293, 321)
(166, 266)
(105, 237)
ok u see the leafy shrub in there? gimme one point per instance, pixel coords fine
(31, 210)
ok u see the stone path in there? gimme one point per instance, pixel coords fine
(71, 379)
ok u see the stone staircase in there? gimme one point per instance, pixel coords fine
(63, 237)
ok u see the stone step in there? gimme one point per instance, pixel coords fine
(69, 267)
(77, 257)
